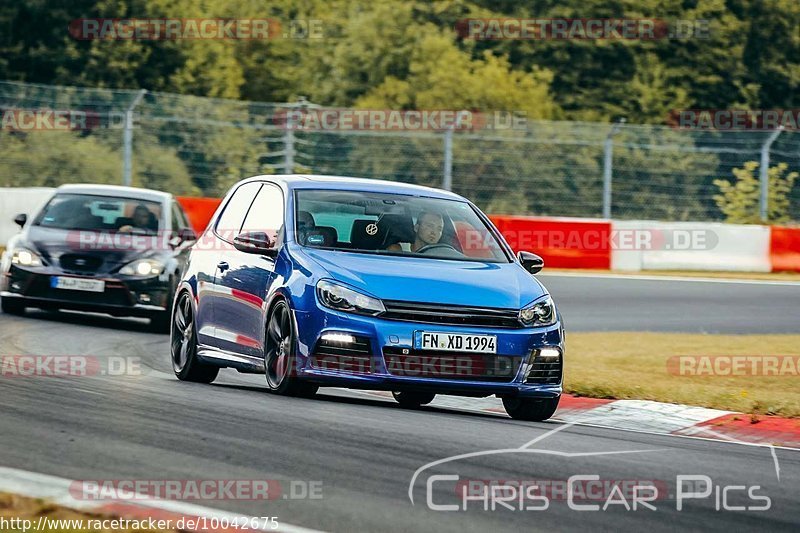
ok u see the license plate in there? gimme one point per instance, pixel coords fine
(455, 342)
(78, 284)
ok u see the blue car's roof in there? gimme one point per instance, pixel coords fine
(342, 183)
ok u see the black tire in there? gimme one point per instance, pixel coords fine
(280, 355)
(413, 399)
(12, 306)
(161, 322)
(531, 409)
(183, 345)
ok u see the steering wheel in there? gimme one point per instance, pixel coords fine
(428, 247)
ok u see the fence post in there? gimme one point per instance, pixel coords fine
(447, 178)
(764, 172)
(288, 150)
(127, 139)
(608, 157)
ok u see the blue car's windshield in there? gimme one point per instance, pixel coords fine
(394, 224)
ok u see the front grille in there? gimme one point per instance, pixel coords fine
(449, 365)
(451, 314)
(545, 371)
(80, 263)
(353, 357)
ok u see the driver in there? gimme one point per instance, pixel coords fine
(140, 220)
(427, 231)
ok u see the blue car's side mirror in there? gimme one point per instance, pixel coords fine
(255, 242)
(530, 262)
(21, 219)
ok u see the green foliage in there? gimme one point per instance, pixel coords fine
(740, 200)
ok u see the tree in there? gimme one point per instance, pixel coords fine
(739, 200)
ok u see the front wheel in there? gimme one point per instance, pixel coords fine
(280, 355)
(531, 409)
(183, 345)
(413, 399)
(12, 306)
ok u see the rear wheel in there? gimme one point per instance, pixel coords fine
(413, 399)
(12, 306)
(280, 355)
(183, 345)
(532, 409)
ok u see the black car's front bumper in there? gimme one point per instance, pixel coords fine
(121, 296)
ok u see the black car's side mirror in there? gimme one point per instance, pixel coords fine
(530, 262)
(21, 219)
(255, 242)
(187, 235)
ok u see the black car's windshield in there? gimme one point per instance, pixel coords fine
(100, 213)
(394, 224)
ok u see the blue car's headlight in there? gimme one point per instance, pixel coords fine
(540, 313)
(341, 298)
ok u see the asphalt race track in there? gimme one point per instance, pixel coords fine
(609, 303)
(365, 450)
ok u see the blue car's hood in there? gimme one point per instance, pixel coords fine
(502, 285)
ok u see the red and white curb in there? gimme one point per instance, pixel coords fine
(57, 490)
(651, 417)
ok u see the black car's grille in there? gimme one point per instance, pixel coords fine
(345, 357)
(451, 314)
(80, 262)
(545, 371)
(115, 293)
(449, 365)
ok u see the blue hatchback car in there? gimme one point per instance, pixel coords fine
(347, 282)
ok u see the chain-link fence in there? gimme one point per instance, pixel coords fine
(200, 146)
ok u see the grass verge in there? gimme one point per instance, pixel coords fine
(13, 506)
(632, 365)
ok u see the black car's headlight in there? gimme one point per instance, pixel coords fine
(341, 298)
(143, 268)
(25, 257)
(542, 312)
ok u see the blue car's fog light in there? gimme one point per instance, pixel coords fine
(544, 367)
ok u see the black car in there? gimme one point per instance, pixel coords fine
(102, 248)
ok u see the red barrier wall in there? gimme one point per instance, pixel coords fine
(199, 210)
(784, 249)
(562, 242)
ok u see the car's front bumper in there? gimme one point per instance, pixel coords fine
(378, 370)
(122, 296)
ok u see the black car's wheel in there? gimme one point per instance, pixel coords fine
(280, 354)
(183, 345)
(161, 321)
(532, 409)
(413, 399)
(12, 306)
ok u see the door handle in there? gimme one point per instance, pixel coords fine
(223, 266)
